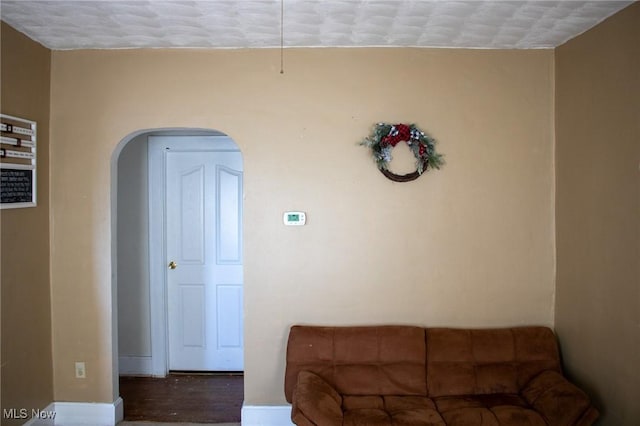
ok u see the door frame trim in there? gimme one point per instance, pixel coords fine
(157, 242)
(157, 254)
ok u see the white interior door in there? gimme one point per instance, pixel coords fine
(204, 254)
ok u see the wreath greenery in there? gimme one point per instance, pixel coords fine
(384, 137)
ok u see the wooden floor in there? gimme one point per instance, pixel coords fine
(194, 398)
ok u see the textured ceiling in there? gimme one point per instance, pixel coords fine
(307, 23)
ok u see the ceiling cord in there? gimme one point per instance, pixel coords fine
(281, 36)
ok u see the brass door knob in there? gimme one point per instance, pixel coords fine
(173, 265)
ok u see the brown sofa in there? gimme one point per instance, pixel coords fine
(410, 376)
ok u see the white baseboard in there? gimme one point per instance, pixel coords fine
(135, 365)
(105, 414)
(266, 415)
(80, 414)
(44, 417)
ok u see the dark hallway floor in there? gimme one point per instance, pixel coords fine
(195, 398)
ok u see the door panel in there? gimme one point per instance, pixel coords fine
(192, 318)
(229, 205)
(191, 215)
(229, 325)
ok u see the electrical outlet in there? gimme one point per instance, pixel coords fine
(81, 371)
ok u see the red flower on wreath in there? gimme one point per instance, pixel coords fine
(398, 133)
(404, 132)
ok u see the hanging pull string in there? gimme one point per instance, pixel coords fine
(281, 36)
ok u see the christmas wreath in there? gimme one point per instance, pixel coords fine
(385, 137)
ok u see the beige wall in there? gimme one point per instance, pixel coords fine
(26, 370)
(598, 213)
(469, 245)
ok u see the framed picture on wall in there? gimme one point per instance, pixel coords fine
(18, 182)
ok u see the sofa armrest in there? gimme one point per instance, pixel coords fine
(315, 402)
(559, 401)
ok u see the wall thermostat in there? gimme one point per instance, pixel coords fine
(294, 218)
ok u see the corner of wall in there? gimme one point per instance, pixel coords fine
(554, 248)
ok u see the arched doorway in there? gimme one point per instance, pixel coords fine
(153, 306)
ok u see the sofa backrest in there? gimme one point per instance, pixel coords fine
(372, 360)
(469, 361)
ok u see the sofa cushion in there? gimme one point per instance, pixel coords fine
(317, 400)
(390, 410)
(487, 410)
(384, 360)
(558, 400)
(366, 417)
(412, 410)
(487, 361)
